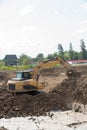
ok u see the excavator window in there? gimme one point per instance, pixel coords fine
(27, 75)
(19, 75)
(23, 75)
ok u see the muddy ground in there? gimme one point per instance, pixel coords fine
(60, 93)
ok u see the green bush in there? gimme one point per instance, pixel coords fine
(13, 67)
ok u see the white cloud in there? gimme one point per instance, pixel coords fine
(84, 22)
(76, 10)
(53, 12)
(56, 12)
(49, 12)
(30, 28)
(81, 31)
(1, 36)
(26, 10)
(84, 6)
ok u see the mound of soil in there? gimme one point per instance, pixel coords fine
(75, 90)
(25, 104)
(80, 93)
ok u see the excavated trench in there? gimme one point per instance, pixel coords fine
(60, 96)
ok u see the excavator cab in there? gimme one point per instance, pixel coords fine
(23, 82)
(22, 75)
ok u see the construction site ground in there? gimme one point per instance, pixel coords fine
(63, 99)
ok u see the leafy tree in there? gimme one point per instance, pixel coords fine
(60, 51)
(40, 57)
(24, 59)
(55, 54)
(75, 55)
(71, 52)
(66, 55)
(50, 56)
(83, 50)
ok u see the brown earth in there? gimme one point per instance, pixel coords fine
(60, 93)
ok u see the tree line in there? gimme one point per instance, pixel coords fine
(70, 54)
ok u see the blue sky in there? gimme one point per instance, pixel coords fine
(37, 26)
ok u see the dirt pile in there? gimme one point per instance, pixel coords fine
(25, 104)
(75, 90)
(80, 93)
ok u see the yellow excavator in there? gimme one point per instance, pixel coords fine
(27, 80)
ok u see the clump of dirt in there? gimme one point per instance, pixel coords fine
(80, 93)
(67, 88)
(75, 89)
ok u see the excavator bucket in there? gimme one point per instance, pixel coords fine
(73, 73)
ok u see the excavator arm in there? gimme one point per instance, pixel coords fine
(52, 63)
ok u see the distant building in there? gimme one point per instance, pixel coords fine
(10, 60)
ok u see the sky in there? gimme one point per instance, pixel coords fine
(37, 26)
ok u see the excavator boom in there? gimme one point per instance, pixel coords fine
(52, 63)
